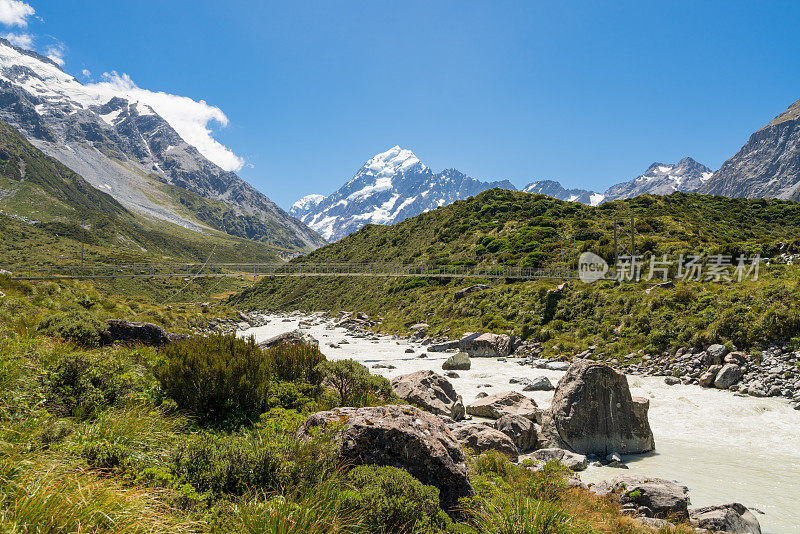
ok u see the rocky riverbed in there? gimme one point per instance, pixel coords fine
(723, 447)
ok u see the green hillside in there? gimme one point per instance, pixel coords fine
(511, 228)
(43, 205)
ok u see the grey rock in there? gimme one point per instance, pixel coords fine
(505, 403)
(485, 345)
(707, 378)
(557, 366)
(665, 498)
(404, 437)
(430, 391)
(728, 376)
(520, 429)
(576, 462)
(457, 362)
(540, 383)
(482, 437)
(461, 293)
(593, 412)
(733, 517)
(145, 333)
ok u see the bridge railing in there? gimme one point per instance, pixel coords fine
(188, 270)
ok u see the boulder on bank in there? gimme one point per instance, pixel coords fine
(520, 429)
(715, 353)
(146, 333)
(728, 376)
(482, 437)
(574, 461)
(505, 403)
(707, 378)
(457, 362)
(593, 412)
(401, 436)
(664, 498)
(431, 392)
(485, 345)
(733, 517)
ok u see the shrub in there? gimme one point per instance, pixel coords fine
(520, 514)
(353, 383)
(295, 361)
(78, 326)
(394, 501)
(105, 455)
(220, 378)
(227, 465)
(78, 387)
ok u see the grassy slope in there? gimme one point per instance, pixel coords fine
(38, 187)
(508, 227)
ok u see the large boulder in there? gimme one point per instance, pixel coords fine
(294, 337)
(491, 345)
(715, 353)
(728, 376)
(575, 461)
(520, 429)
(707, 379)
(733, 517)
(665, 499)
(593, 412)
(431, 392)
(505, 403)
(540, 383)
(400, 436)
(145, 333)
(457, 362)
(482, 437)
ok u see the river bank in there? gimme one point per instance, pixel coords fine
(723, 447)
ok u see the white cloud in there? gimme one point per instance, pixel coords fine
(15, 13)
(190, 118)
(56, 53)
(86, 73)
(22, 40)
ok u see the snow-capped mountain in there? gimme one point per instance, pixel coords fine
(390, 187)
(662, 179)
(122, 146)
(554, 189)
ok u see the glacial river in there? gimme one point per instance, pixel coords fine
(724, 448)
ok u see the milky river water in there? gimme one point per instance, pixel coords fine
(724, 448)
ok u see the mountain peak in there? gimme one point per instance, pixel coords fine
(391, 162)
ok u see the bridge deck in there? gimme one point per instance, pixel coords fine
(165, 270)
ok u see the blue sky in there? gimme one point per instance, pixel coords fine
(587, 93)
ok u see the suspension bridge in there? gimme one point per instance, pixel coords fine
(194, 270)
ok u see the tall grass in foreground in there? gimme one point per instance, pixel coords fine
(520, 514)
(40, 495)
(318, 511)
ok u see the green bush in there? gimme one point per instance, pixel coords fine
(220, 379)
(393, 501)
(295, 362)
(76, 386)
(227, 464)
(105, 455)
(354, 384)
(78, 326)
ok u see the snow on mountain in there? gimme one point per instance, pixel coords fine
(114, 136)
(390, 187)
(662, 179)
(554, 189)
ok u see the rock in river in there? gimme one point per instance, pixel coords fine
(576, 462)
(430, 391)
(593, 413)
(401, 436)
(457, 362)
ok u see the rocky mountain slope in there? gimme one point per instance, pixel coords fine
(392, 186)
(122, 146)
(554, 189)
(767, 166)
(662, 179)
(47, 211)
